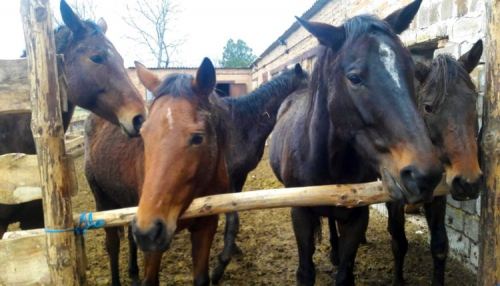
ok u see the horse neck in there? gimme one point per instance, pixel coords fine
(260, 107)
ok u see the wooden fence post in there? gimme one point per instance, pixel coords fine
(489, 248)
(48, 132)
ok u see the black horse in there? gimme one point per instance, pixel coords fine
(252, 118)
(358, 121)
(447, 101)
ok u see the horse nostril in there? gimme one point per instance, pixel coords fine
(137, 122)
(158, 232)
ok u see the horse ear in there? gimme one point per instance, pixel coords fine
(327, 35)
(298, 69)
(421, 71)
(471, 59)
(400, 19)
(149, 79)
(70, 18)
(204, 82)
(103, 25)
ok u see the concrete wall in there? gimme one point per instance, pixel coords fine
(454, 25)
(237, 76)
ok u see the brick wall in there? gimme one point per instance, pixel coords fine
(455, 24)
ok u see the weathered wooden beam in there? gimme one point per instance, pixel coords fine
(14, 87)
(20, 178)
(22, 259)
(489, 235)
(48, 133)
(337, 195)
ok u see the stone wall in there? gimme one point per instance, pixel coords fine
(451, 25)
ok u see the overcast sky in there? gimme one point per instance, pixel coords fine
(205, 24)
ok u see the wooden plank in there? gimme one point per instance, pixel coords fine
(337, 195)
(489, 235)
(20, 178)
(14, 86)
(73, 143)
(49, 140)
(22, 260)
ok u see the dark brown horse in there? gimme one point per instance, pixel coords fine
(252, 119)
(447, 101)
(358, 121)
(179, 157)
(97, 81)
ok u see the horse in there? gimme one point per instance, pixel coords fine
(446, 99)
(252, 119)
(97, 81)
(357, 121)
(180, 156)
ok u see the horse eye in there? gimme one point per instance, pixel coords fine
(354, 79)
(196, 139)
(97, 59)
(428, 108)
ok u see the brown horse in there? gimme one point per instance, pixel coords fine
(97, 81)
(252, 118)
(180, 157)
(359, 121)
(447, 101)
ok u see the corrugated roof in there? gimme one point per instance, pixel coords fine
(317, 6)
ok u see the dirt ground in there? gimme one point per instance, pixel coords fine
(269, 250)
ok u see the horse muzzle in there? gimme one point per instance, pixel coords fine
(463, 189)
(156, 238)
(411, 187)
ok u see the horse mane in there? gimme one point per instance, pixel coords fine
(179, 85)
(328, 58)
(253, 101)
(64, 36)
(444, 71)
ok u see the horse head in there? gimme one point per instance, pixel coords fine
(97, 79)
(367, 76)
(182, 150)
(447, 100)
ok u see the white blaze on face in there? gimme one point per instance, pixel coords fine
(170, 119)
(388, 57)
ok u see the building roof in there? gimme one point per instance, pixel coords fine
(317, 6)
(188, 68)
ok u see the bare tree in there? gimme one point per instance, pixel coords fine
(150, 21)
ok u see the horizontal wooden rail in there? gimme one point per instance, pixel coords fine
(336, 195)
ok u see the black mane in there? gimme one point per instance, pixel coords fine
(63, 36)
(444, 71)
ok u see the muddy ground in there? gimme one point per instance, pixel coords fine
(269, 251)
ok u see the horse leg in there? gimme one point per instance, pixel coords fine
(202, 236)
(113, 249)
(133, 268)
(230, 232)
(435, 215)
(152, 262)
(334, 242)
(305, 223)
(399, 243)
(351, 234)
